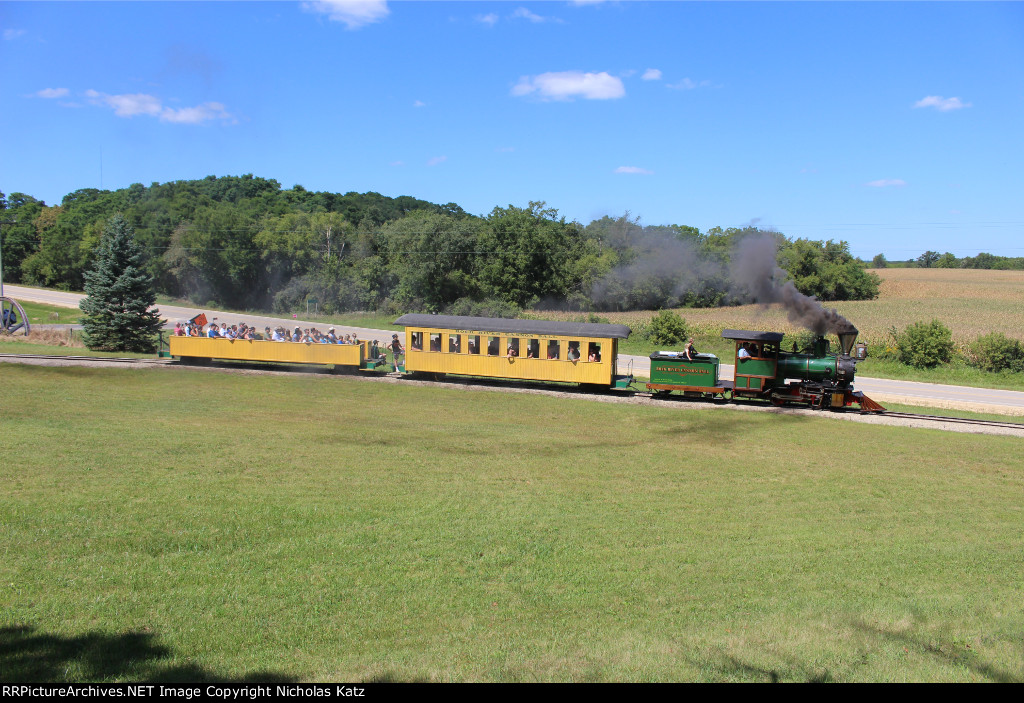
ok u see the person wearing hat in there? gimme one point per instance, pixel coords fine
(376, 353)
(396, 350)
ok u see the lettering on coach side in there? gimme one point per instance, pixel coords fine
(521, 335)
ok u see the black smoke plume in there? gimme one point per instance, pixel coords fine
(755, 271)
(660, 270)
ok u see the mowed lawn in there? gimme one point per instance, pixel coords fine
(160, 525)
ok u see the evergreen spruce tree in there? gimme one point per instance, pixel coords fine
(118, 295)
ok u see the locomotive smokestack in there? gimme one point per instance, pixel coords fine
(846, 340)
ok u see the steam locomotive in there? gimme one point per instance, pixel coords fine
(812, 376)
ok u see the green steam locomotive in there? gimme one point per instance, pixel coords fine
(812, 376)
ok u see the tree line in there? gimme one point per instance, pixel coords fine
(245, 242)
(933, 259)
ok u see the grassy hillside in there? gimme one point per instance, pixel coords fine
(196, 526)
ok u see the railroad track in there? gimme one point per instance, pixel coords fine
(484, 384)
(98, 359)
(955, 420)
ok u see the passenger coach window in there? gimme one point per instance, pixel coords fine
(574, 351)
(417, 341)
(493, 344)
(513, 348)
(533, 349)
(553, 351)
(435, 342)
(594, 352)
(455, 343)
(474, 344)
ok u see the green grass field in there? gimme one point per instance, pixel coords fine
(43, 314)
(205, 526)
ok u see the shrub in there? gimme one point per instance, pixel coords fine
(887, 347)
(926, 344)
(996, 352)
(665, 328)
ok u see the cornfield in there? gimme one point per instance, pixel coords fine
(970, 302)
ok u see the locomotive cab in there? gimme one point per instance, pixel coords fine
(813, 376)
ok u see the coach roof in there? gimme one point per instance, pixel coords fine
(497, 324)
(749, 336)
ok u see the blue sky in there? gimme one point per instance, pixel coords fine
(894, 126)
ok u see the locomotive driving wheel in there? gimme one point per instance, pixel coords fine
(13, 319)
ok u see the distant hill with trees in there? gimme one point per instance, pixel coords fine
(245, 242)
(933, 259)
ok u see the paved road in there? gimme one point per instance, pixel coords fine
(174, 313)
(882, 390)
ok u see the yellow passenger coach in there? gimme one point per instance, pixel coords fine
(197, 348)
(537, 350)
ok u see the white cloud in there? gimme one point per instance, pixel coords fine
(52, 93)
(135, 104)
(489, 19)
(10, 34)
(688, 84)
(354, 13)
(523, 13)
(887, 183)
(651, 74)
(195, 115)
(128, 105)
(419, 103)
(566, 85)
(635, 170)
(941, 104)
(437, 160)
